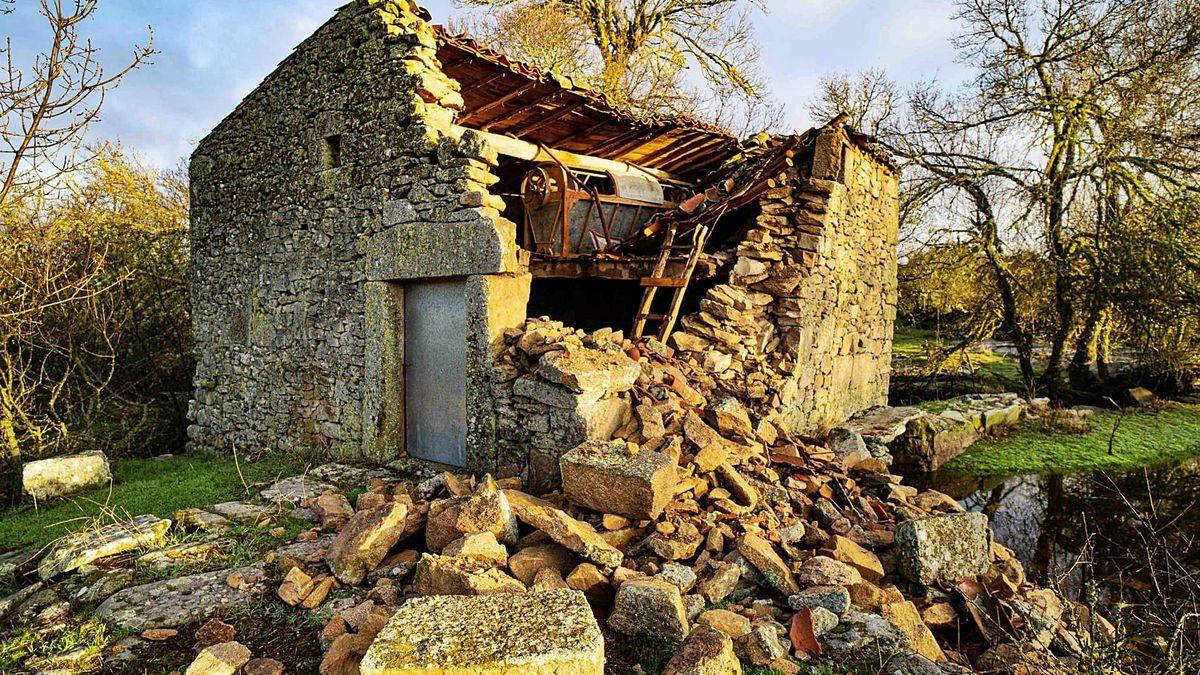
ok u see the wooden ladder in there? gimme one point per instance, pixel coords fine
(667, 255)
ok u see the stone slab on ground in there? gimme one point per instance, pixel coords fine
(87, 546)
(57, 477)
(537, 633)
(585, 369)
(295, 490)
(576, 535)
(943, 547)
(175, 602)
(608, 477)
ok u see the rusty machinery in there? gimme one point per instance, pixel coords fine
(571, 211)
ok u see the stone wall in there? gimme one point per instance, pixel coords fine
(336, 181)
(803, 325)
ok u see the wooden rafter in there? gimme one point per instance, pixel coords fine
(691, 154)
(481, 82)
(601, 146)
(576, 134)
(558, 114)
(672, 149)
(517, 113)
(498, 102)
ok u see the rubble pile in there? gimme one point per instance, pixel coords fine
(695, 524)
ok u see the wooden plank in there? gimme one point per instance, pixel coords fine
(664, 282)
(558, 114)
(498, 102)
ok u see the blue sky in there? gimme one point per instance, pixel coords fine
(213, 52)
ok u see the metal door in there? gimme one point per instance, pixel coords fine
(435, 377)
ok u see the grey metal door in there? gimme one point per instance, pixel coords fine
(435, 365)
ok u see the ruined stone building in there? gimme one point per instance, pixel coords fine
(392, 199)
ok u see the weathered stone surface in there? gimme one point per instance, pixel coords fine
(705, 652)
(175, 602)
(242, 512)
(263, 667)
(730, 623)
(943, 547)
(762, 555)
(538, 633)
(450, 519)
(732, 418)
(442, 575)
(844, 550)
(760, 646)
(929, 441)
(825, 571)
(225, 658)
(719, 582)
(904, 617)
(585, 369)
(63, 476)
(833, 598)
(479, 546)
(649, 608)
(574, 534)
(200, 520)
(526, 563)
(295, 490)
(365, 541)
(609, 477)
(87, 546)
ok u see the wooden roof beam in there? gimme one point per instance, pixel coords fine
(688, 156)
(601, 146)
(481, 82)
(670, 150)
(516, 113)
(558, 114)
(498, 102)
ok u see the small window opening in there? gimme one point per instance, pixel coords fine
(331, 152)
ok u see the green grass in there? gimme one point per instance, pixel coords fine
(912, 348)
(1143, 438)
(155, 486)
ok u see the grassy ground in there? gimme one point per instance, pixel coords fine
(1143, 437)
(913, 347)
(155, 486)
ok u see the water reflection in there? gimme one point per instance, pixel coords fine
(1133, 533)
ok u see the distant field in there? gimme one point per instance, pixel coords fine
(1143, 437)
(155, 486)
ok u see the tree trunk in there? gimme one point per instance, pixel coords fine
(1079, 372)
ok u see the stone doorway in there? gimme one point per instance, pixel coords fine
(435, 374)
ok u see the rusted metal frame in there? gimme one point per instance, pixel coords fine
(516, 113)
(558, 114)
(498, 102)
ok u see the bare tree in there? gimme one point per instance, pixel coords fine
(868, 98)
(645, 48)
(47, 106)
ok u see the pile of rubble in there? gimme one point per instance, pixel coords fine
(694, 524)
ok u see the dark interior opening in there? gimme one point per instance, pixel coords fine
(587, 304)
(331, 152)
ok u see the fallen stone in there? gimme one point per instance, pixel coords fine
(705, 652)
(159, 634)
(762, 555)
(608, 477)
(295, 587)
(904, 617)
(452, 518)
(171, 603)
(719, 582)
(575, 535)
(57, 477)
(538, 633)
(334, 510)
(825, 571)
(526, 563)
(585, 369)
(730, 623)
(943, 547)
(199, 520)
(191, 552)
(588, 579)
(847, 442)
(87, 546)
(220, 659)
(833, 598)
(214, 631)
(263, 667)
(649, 608)
(846, 551)
(479, 546)
(760, 646)
(1141, 396)
(365, 540)
(295, 490)
(441, 575)
(732, 418)
(242, 512)
(682, 576)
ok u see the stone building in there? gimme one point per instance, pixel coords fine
(370, 221)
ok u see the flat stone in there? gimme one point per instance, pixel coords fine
(295, 490)
(88, 546)
(762, 555)
(943, 547)
(242, 512)
(649, 608)
(538, 633)
(194, 519)
(365, 541)
(554, 395)
(719, 581)
(833, 598)
(825, 571)
(225, 658)
(526, 563)
(350, 477)
(171, 603)
(185, 553)
(263, 667)
(904, 617)
(57, 477)
(608, 477)
(732, 418)
(730, 623)
(760, 646)
(480, 546)
(575, 535)
(844, 550)
(442, 575)
(705, 652)
(586, 369)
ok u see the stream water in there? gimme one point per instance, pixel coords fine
(1133, 533)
